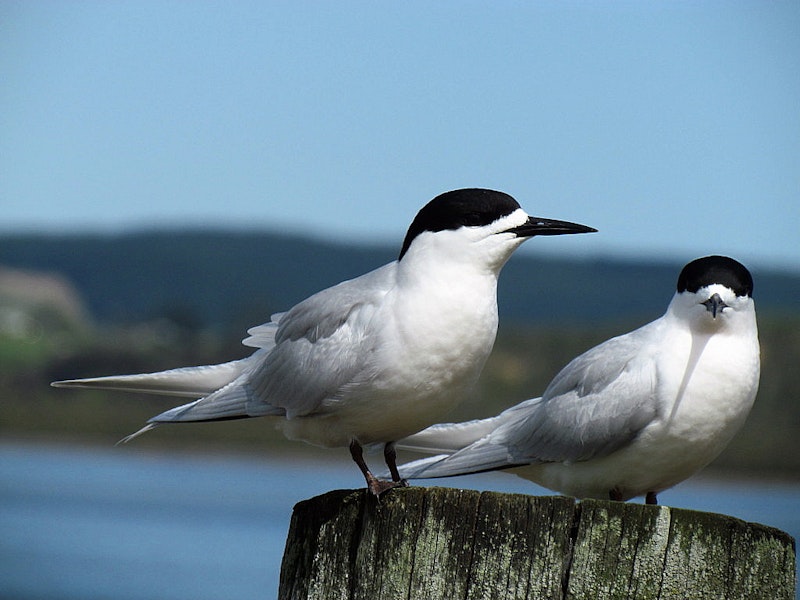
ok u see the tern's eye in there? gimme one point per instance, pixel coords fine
(474, 219)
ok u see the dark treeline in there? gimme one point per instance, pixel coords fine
(224, 279)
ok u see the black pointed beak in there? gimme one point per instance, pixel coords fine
(714, 305)
(539, 226)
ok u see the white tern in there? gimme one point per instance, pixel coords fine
(375, 358)
(634, 415)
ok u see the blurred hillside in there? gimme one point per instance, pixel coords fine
(231, 280)
(91, 305)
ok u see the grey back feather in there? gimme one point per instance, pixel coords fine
(595, 405)
(320, 347)
(598, 403)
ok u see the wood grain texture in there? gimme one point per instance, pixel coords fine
(432, 543)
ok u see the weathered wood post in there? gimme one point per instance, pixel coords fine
(441, 543)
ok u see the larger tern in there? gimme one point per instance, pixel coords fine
(375, 358)
(633, 416)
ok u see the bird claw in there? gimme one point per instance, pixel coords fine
(378, 487)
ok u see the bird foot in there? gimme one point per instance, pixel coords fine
(377, 487)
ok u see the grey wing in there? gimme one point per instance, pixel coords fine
(598, 403)
(595, 405)
(321, 346)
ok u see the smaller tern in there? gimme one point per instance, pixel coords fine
(633, 416)
(375, 358)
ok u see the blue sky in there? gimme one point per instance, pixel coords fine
(672, 127)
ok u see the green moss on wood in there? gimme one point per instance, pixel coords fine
(432, 543)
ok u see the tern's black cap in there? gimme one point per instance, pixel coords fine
(716, 269)
(471, 207)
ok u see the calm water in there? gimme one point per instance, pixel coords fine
(120, 523)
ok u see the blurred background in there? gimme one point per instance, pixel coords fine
(173, 173)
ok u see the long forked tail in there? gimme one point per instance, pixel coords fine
(461, 448)
(192, 382)
(445, 441)
(221, 389)
(447, 438)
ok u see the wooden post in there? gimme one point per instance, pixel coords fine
(441, 543)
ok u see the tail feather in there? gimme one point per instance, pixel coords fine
(446, 438)
(233, 401)
(192, 382)
(447, 441)
(230, 402)
(135, 434)
(221, 390)
(481, 456)
(461, 448)
(418, 468)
